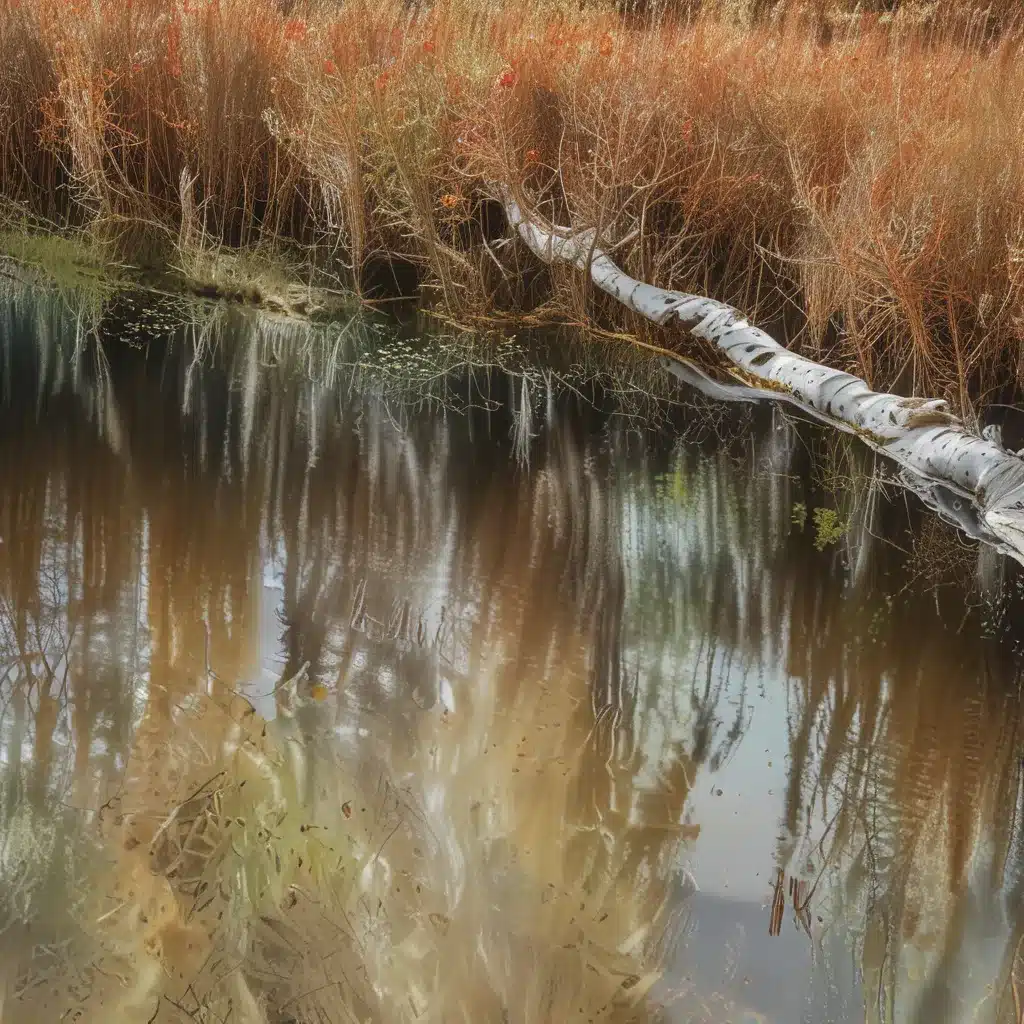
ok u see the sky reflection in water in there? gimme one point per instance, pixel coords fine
(323, 699)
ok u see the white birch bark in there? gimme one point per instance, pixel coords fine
(921, 435)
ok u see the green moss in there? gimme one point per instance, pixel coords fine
(71, 262)
(85, 266)
(829, 527)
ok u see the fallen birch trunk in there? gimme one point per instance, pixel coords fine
(921, 435)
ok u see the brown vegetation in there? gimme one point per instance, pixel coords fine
(863, 166)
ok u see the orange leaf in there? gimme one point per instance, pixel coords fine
(295, 30)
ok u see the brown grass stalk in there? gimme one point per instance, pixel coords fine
(862, 167)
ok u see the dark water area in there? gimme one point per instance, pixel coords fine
(346, 677)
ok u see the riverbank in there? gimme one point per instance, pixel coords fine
(862, 171)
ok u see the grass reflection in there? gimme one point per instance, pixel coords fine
(324, 702)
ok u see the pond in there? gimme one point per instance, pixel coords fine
(361, 674)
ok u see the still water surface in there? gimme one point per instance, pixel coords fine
(343, 681)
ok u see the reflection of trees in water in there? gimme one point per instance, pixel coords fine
(471, 626)
(539, 658)
(904, 770)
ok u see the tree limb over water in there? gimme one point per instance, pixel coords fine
(921, 435)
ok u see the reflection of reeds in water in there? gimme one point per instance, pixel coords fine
(456, 833)
(901, 815)
(506, 675)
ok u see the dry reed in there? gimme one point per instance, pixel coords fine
(861, 167)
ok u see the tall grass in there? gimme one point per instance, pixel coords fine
(859, 165)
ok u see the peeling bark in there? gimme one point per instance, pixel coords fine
(921, 435)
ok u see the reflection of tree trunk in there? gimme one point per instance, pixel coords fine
(14, 751)
(1011, 970)
(877, 965)
(936, 1001)
(148, 764)
(799, 756)
(308, 603)
(26, 518)
(606, 686)
(42, 745)
(83, 717)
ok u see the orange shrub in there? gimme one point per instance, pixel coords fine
(864, 169)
